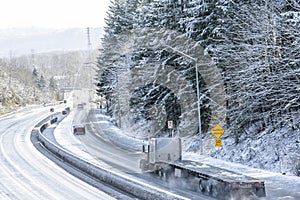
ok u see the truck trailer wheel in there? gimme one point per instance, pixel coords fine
(201, 186)
(208, 188)
(214, 192)
(204, 186)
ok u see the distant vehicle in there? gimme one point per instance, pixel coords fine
(68, 109)
(79, 129)
(99, 105)
(80, 106)
(64, 112)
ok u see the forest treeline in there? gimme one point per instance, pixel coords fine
(254, 43)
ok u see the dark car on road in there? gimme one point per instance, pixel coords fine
(79, 129)
(80, 106)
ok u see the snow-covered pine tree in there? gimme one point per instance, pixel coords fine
(199, 19)
(120, 22)
(287, 61)
(41, 83)
(259, 81)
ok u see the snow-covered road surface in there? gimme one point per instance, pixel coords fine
(25, 173)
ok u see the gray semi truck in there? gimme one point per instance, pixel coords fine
(163, 157)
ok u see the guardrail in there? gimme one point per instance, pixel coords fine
(121, 181)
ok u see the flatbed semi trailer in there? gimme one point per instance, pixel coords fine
(163, 157)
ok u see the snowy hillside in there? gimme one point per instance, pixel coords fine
(277, 152)
(17, 92)
(27, 80)
(239, 60)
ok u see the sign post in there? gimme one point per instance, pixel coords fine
(170, 126)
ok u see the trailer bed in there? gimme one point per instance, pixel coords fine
(214, 172)
(228, 183)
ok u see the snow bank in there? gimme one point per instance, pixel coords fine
(278, 151)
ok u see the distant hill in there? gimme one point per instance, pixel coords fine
(21, 41)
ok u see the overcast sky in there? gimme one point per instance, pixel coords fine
(52, 13)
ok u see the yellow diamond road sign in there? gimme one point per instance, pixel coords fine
(217, 131)
(218, 142)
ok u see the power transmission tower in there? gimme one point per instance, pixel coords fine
(32, 58)
(89, 39)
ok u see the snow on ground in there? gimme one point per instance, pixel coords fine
(278, 186)
(278, 151)
(118, 136)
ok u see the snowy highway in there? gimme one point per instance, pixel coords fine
(124, 152)
(115, 155)
(25, 173)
